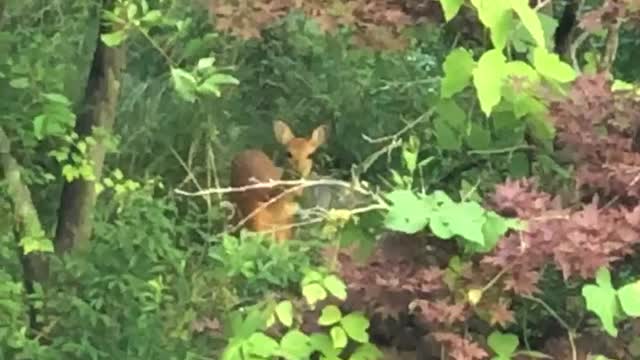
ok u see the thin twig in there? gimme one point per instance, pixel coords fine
(570, 331)
(408, 127)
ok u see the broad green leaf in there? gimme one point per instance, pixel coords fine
(57, 98)
(295, 345)
(629, 296)
(335, 286)
(114, 39)
(185, 84)
(323, 343)
(602, 300)
(503, 344)
(550, 66)
(521, 69)
(493, 229)
(488, 78)
(206, 62)
(284, 310)
(314, 293)
(262, 345)
(450, 8)
(408, 213)
(233, 350)
(530, 20)
(479, 138)
(338, 337)
(19, 83)
(39, 123)
(452, 114)
(541, 128)
(458, 68)
(330, 315)
(367, 351)
(310, 277)
(152, 16)
(446, 137)
(498, 17)
(356, 325)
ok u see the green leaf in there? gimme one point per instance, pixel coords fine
(602, 300)
(323, 343)
(233, 350)
(295, 345)
(311, 276)
(39, 126)
(629, 296)
(498, 17)
(450, 8)
(367, 351)
(447, 137)
(152, 16)
(356, 325)
(530, 20)
(458, 68)
(488, 79)
(222, 79)
(185, 84)
(452, 114)
(284, 311)
(479, 138)
(57, 98)
(338, 337)
(522, 70)
(36, 243)
(19, 83)
(329, 316)
(503, 344)
(262, 345)
(408, 213)
(335, 286)
(550, 66)
(114, 39)
(314, 293)
(206, 62)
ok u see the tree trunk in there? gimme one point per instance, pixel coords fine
(28, 224)
(75, 215)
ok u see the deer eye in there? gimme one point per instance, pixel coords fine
(289, 155)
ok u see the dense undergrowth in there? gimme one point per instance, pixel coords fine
(483, 203)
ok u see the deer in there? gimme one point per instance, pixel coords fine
(268, 209)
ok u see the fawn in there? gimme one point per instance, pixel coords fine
(253, 166)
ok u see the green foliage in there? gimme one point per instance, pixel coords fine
(247, 337)
(479, 228)
(255, 264)
(610, 304)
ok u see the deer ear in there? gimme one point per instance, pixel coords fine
(282, 132)
(319, 135)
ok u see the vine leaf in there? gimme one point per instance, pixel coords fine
(503, 344)
(629, 296)
(602, 300)
(355, 325)
(488, 77)
(550, 66)
(451, 8)
(458, 68)
(530, 20)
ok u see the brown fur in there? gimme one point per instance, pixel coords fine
(255, 164)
